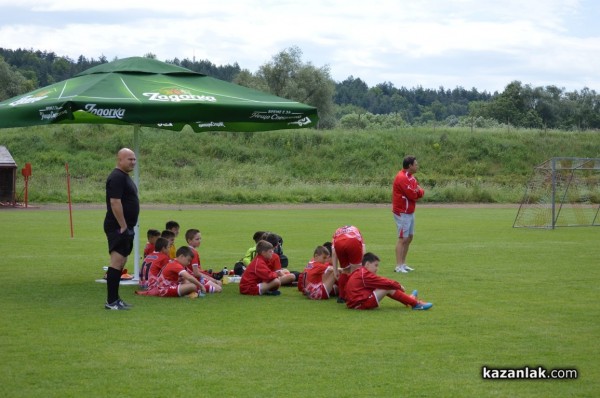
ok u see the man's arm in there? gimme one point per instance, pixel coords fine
(117, 209)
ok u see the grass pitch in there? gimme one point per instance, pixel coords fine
(502, 297)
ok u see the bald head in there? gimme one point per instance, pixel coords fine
(126, 160)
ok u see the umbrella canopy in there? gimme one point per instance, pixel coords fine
(146, 92)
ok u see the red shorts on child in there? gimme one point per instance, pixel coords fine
(369, 304)
(316, 291)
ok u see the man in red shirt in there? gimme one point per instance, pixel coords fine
(405, 194)
(258, 279)
(365, 290)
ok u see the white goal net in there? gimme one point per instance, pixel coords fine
(562, 192)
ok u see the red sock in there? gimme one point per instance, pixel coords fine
(404, 298)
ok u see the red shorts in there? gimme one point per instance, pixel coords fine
(251, 290)
(369, 304)
(316, 291)
(348, 251)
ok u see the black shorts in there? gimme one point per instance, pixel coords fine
(120, 243)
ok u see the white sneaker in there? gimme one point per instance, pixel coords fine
(406, 267)
(400, 268)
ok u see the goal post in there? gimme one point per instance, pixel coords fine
(562, 192)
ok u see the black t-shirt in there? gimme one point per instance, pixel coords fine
(120, 186)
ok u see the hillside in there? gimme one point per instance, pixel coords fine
(457, 165)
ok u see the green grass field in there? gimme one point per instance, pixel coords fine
(502, 297)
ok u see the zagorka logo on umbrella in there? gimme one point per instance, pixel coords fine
(108, 113)
(30, 99)
(177, 95)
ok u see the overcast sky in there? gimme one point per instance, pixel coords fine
(484, 44)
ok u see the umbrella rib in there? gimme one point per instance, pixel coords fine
(63, 90)
(130, 92)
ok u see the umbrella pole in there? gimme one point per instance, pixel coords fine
(136, 180)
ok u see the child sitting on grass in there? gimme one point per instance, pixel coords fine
(194, 238)
(365, 290)
(153, 235)
(175, 281)
(319, 279)
(154, 263)
(258, 279)
(170, 236)
(172, 226)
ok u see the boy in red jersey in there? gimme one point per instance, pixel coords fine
(406, 191)
(194, 238)
(154, 263)
(153, 235)
(348, 248)
(175, 281)
(258, 279)
(319, 281)
(365, 289)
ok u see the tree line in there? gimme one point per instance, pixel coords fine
(350, 103)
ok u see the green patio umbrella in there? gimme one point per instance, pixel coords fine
(144, 92)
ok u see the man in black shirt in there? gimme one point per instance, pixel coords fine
(122, 210)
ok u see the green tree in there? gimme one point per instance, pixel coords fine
(12, 83)
(288, 77)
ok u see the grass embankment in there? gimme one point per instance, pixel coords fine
(290, 166)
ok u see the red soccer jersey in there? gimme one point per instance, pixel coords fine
(148, 249)
(362, 283)
(314, 271)
(155, 263)
(405, 193)
(257, 272)
(347, 231)
(171, 272)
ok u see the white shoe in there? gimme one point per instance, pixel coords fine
(400, 268)
(406, 267)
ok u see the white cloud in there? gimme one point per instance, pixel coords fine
(483, 44)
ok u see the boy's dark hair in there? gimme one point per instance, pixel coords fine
(190, 233)
(263, 246)
(273, 239)
(160, 244)
(258, 235)
(171, 224)
(329, 247)
(408, 161)
(152, 233)
(167, 234)
(319, 250)
(369, 258)
(184, 251)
